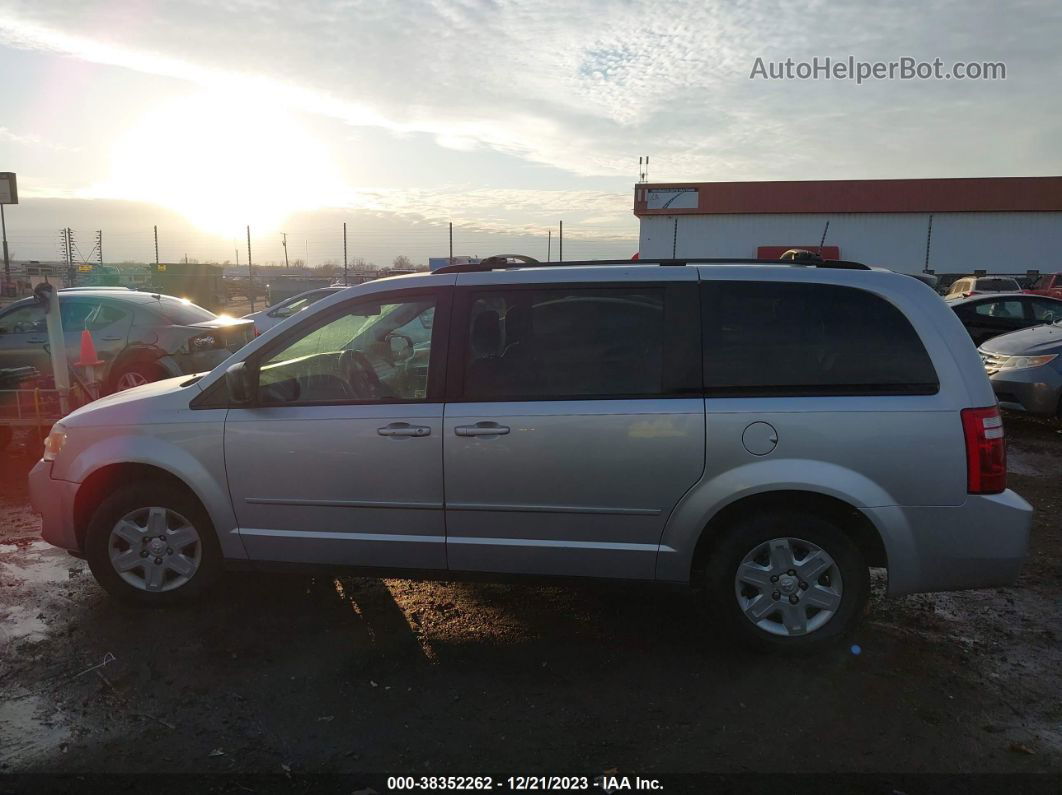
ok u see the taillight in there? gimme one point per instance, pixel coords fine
(986, 451)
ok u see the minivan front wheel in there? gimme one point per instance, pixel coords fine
(152, 544)
(788, 582)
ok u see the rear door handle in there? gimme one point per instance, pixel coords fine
(482, 429)
(35, 339)
(111, 339)
(404, 429)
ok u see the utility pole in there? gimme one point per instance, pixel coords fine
(66, 238)
(156, 248)
(7, 261)
(250, 268)
(549, 244)
(99, 246)
(345, 280)
(451, 243)
(284, 243)
(562, 241)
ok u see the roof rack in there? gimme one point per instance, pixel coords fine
(520, 261)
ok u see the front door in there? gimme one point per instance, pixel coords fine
(577, 425)
(340, 461)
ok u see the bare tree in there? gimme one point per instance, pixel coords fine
(402, 262)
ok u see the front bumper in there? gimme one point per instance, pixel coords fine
(979, 544)
(54, 501)
(1036, 390)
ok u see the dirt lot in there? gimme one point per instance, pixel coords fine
(293, 673)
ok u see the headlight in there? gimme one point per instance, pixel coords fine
(1025, 362)
(54, 443)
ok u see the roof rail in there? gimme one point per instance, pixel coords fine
(503, 261)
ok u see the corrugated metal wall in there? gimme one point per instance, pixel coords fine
(962, 242)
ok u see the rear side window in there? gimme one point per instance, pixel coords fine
(1010, 310)
(575, 342)
(180, 313)
(763, 338)
(998, 285)
(92, 315)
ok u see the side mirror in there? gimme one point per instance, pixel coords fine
(238, 381)
(401, 347)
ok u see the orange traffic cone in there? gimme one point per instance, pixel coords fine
(88, 351)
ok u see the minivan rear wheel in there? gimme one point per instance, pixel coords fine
(152, 544)
(789, 582)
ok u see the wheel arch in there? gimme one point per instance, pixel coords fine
(138, 354)
(102, 482)
(849, 518)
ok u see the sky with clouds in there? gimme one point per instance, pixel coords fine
(500, 116)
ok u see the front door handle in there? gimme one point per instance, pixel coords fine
(36, 339)
(482, 429)
(404, 429)
(111, 339)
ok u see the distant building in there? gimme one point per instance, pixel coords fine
(996, 224)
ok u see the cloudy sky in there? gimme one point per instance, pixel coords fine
(500, 116)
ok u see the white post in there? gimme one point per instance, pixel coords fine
(57, 345)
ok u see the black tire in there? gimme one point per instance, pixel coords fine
(741, 538)
(149, 371)
(131, 498)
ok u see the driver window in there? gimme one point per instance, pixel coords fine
(372, 352)
(1047, 312)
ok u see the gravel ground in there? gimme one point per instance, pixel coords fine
(281, 673)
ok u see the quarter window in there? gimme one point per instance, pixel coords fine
(763, 338)
(371, 352)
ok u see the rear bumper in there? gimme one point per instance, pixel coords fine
(54, 501)
(201, 362)
(980, 544)
(1035, 391)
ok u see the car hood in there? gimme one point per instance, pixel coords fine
(1027, 342)
(139, 405)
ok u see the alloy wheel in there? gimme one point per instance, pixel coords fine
(129, 380)
(788, 586)
(155, 549)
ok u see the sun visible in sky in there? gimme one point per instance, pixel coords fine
(224, 161)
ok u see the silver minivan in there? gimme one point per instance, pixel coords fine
(765, 431)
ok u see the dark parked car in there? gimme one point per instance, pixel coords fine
(140, 337)
(1025, 369)
(988, 316)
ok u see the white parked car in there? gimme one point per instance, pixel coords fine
(272, 315)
